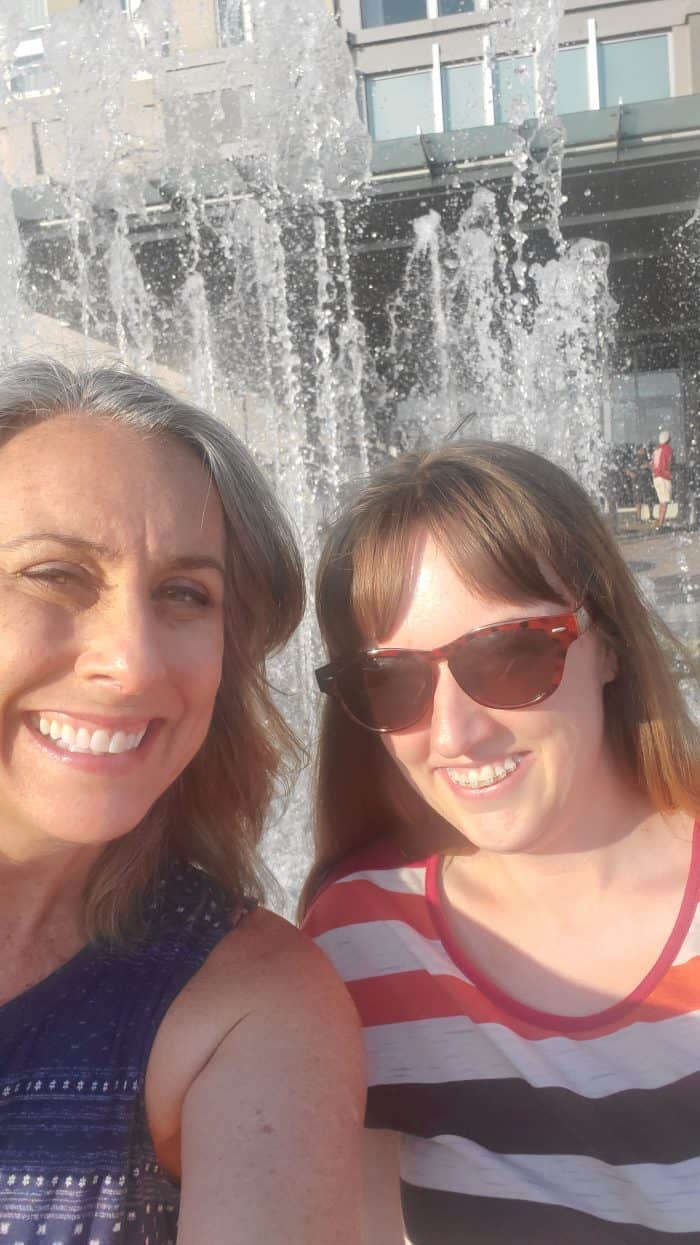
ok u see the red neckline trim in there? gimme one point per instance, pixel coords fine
(550, 1020)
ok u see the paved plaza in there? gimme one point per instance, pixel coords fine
(667, 564)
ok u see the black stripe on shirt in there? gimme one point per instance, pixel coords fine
(436, 1218)
(511, 1117)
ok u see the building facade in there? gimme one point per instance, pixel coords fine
(438, 65)
(444, 93)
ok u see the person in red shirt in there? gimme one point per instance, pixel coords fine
(661, 461)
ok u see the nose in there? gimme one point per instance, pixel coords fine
(122, 643)
(458, 723)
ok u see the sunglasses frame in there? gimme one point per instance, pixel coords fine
(565, 628)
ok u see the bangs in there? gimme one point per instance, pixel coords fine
(501, 549)
(515, 528)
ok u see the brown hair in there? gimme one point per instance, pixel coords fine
(213, 815)
(504, 516)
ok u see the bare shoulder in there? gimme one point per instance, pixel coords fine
(264, 977)
(265, 961)
(270, 1125)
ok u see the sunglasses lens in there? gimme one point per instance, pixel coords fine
(386, 693)
(508, 669)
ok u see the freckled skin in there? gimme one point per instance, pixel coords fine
(264, 1031)
(572, 880)
(563, 736)
(120, 634)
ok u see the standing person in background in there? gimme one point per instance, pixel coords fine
(175, 1063)
(661, 461)
(507, 872)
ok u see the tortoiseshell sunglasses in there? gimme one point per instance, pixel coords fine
(507, 665)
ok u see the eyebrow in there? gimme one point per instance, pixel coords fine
(186, 561)
(59, 538)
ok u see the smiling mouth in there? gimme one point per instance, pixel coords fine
(89, 740)
(478, 777)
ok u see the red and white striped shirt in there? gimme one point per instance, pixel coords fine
(518, 1126)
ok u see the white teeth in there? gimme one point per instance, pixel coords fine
(486, 775)
(99, 741)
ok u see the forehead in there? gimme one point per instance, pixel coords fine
(438, 603)
(103, 481)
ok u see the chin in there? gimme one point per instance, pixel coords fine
(82, 832)
(500, 835)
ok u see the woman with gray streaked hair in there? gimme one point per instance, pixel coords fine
(175, 1063)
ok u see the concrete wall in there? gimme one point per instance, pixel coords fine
(32, 146)
(197, 24)
(58, 6)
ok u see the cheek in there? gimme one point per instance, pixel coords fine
(198, 660)
(572, 722)
(34, 642)
(409, 747)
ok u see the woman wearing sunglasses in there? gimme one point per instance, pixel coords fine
(508, 869)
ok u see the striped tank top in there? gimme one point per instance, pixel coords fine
(77, 1165)
(516, 1126)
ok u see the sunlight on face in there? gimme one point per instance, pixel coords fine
(112, 551)
(505, 778)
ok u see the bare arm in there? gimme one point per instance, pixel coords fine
(383, 1219)
(272, 1124)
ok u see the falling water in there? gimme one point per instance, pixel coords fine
(206, 230)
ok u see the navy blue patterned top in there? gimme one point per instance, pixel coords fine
(77, 1165)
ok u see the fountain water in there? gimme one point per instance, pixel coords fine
(211, 226)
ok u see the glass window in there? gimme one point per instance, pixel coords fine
(398, 104)
(231, 25)
(34, 13)
(644, 403)
(463, 96)
(571, 75)
(30, 73)
(513, 88)
(449, 8)
(386, 12)
(25, 16)
(633, 69)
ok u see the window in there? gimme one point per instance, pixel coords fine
(450, 8)
(513, 89)
(231, 22)
(645, 402)
(630, 70)
(571, 75)
(34, 14)
(398, 104)
(463, 96)
(386, 12)
(30, 73)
